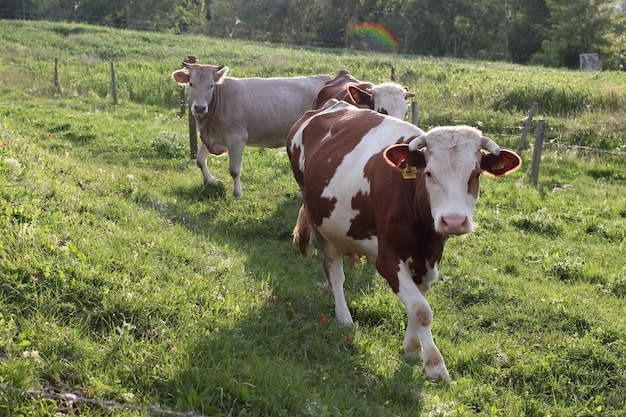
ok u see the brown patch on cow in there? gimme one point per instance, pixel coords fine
(346, 130)
(400, 208)
(345, 87)
(363, 226)
(423, 314)
(473, 183)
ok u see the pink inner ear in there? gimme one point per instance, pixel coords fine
(500, 165)
(399, 156)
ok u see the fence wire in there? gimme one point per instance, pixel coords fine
(71, 399)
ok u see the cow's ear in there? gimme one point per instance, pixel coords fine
(360, 96)
(499, 165)
(221, 73)
(409, 162)
(181, 77)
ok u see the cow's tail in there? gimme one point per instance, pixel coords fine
(302, 233)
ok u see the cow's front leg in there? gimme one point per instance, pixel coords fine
(201, 158)
(235, 155)
(420, 319)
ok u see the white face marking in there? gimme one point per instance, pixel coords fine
(451, 163)
(391, 98)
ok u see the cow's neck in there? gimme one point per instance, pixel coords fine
(215, 98)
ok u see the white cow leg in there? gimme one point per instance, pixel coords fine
(201, 158)
(412, 346)
(235, 154)
(420, 319)
(336, 278)
(333, 266)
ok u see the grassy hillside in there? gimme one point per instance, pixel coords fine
(122, 278)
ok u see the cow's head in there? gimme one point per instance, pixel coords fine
(391, 99)
(450, 160)
(201, 80)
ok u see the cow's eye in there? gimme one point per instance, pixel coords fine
(190, 84)
(428, 174)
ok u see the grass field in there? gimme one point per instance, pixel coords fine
(123, 279)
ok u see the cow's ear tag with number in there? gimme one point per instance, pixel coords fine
(409, 172)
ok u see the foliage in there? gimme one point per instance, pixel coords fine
(576, 27)
(123, 278)
(545, 32)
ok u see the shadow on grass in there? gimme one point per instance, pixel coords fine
(272, 363)
(281, 358)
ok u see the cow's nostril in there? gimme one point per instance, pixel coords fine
(454, 225)
(199, 109)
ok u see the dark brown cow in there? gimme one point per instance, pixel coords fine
(377, 186)
(387, 98)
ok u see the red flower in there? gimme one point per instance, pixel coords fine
(324, 319)
(345, 337)
(49, 134)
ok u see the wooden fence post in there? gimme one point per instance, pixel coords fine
(522, 142)
(113, 84)
(181, 99)
(534, 171)
(193, 134)
(415, 113)
(56, 72)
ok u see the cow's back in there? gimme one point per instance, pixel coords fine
(263, 109)
(329, 150)
(338, 88)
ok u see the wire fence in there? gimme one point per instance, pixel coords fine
(69, 399)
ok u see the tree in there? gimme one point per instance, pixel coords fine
(527, 20)
(575, 27)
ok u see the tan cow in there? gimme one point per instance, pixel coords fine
(231, 112)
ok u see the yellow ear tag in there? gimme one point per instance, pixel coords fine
(409, 172)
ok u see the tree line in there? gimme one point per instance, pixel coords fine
(540, 32)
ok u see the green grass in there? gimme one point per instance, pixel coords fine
(122, 278)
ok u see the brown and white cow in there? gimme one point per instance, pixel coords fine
(377, 186)
(231, 112)
(387, 98)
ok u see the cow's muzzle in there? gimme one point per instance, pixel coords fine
(454, 225)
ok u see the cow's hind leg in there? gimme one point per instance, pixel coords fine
(201, 158)
(302, 233)
(333, 266)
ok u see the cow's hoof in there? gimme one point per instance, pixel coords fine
(213, 182)
(345, 318)
(437, 372)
